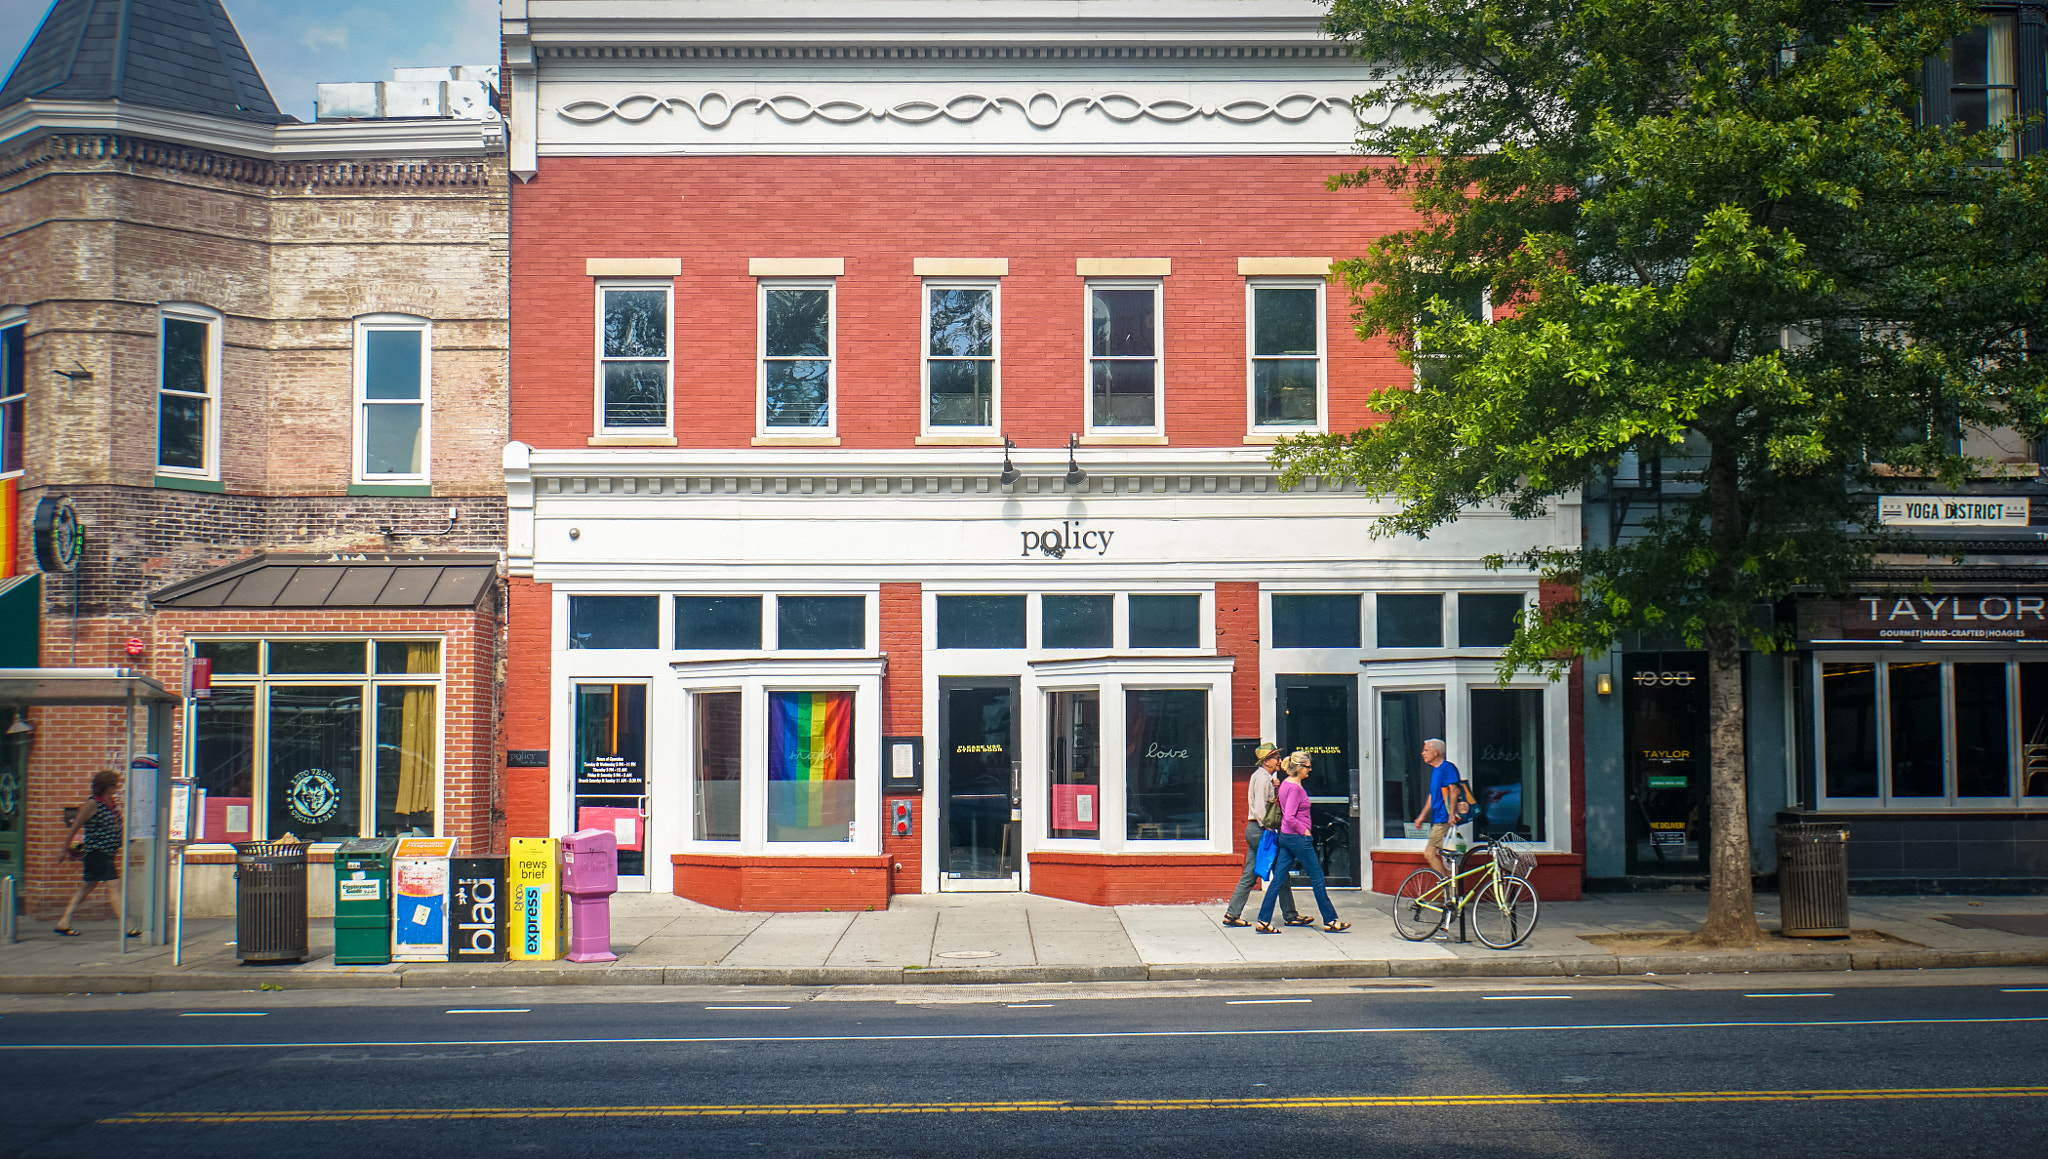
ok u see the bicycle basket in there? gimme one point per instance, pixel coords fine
(1513, 862)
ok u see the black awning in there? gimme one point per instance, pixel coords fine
(338, 581)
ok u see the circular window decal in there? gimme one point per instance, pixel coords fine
(312, 797)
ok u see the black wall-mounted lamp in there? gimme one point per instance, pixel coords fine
(1075, 475)
(1010, 473)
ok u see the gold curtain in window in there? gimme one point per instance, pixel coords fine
(416, 745)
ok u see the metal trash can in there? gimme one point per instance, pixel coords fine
(1813, 880)
(270, 902)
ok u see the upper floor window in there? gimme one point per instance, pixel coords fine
(796, 358)
(188, 391)
(1123, 357)
(633, 356)
(1474, 305)
(1977, 88)
(960, 357)
(392, 398)
(13, 391)
(1286, 341)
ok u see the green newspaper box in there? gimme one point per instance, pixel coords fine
(362, 901)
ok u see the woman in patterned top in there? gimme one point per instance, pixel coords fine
(100, 818)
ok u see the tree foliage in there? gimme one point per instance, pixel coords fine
(1710, 229)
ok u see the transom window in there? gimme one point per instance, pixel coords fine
(1123, 356)
(960, 365)
(720, 623)
(634, 357)
(1286, 339)
(796, 358)
(322, 738)
(188, 391)
(392, 373)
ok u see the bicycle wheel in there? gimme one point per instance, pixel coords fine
(1504, 912)
(1419, 905)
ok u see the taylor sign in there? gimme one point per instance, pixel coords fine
(1964, 617)
(1951, 511)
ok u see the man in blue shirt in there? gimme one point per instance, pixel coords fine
(1446, 808)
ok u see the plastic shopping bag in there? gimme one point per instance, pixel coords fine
(1269, 848)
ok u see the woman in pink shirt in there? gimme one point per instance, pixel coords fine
(1296, 849)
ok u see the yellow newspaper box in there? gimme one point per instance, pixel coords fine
(540, 928)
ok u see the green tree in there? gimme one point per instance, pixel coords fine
(1713, 230)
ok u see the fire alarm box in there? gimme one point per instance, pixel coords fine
(899, 819)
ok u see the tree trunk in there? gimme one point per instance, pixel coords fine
(1731, 909)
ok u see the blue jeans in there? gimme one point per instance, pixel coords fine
(1295, 849)
(1252, 832)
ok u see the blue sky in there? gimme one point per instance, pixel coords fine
(301, 43)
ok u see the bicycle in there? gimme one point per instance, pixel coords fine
(1503, 903)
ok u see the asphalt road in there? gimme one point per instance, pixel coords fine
(1764, 1065)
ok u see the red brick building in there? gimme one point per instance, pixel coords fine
(262, 364)
(889, 499)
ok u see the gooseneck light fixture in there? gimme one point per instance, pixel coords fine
(1075, 475)
(1010, 473)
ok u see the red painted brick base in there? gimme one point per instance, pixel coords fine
(1558, 876)
(783, 884)
(1136, 878)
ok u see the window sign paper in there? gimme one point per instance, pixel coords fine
(1073, 807)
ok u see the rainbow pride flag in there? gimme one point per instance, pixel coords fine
(810, 739)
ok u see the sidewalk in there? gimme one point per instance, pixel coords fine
(992, 938)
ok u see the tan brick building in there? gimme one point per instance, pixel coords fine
(263, 363)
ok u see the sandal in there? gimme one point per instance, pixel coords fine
(1301, 920)
(1264, 928)
(68, 932)
(136, 932)
(1231, 921)
(1335, 927)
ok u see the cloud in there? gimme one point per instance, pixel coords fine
(318, 38)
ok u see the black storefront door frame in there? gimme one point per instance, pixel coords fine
(1320, 712)
(1665, 762)
(980, 838)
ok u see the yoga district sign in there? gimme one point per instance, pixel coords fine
(1961, 617)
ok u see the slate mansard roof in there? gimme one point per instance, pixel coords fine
(181, 55)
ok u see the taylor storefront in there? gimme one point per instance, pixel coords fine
(799, 681)
(1923, 717)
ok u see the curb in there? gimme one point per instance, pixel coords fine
(435, 976)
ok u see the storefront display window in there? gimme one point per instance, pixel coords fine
(821, 622)
(1315, 621)
(1077, 621)
(1507, 760)
(406, 751)
(224, 764)
(1406, 720)
(614, 621)
(315, 752)
(810, 766)
(1165, 764)
(1166, 621)
(1411, 621)
(729, 623)
(717, 776)
(981, 621)
(1074, 763)
(1924, 730)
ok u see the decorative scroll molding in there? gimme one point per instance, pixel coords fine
(1042, 109)
(917, 52)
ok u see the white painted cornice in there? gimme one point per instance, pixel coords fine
(645, 23)
(26, 121)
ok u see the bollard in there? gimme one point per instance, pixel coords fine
(7, 900)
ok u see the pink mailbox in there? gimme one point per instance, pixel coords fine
(590, 875)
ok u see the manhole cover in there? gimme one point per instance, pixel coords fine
(970, 954)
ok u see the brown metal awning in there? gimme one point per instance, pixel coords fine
(79, 687)
(338, 581)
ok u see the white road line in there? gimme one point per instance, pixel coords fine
(1266, 1001)
(2023, 990)
(502, 1010)
(225, 1014)
(1817, 994)
(746, 1008)
(1524, 997)
(1029, 1005)
(1019, 1036)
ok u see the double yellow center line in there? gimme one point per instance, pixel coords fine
(1030, 1106)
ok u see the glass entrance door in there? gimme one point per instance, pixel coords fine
(1320, 714)
(979, 775)
(1664, 711)
(611, 772)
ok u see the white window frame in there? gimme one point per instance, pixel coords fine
(1158, 288)
(1485, 319)
(403, 323)
(16, 318)
(211, 319)
(1252, 357)
(831, 427)
(995, 406)
(667, 288)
